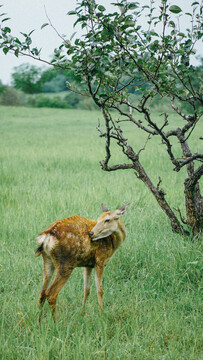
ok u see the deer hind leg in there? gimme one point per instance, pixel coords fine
(99, 270)
(87, 278)
(52, 292)
(47, 275)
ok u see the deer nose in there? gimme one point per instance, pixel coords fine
(91, 234)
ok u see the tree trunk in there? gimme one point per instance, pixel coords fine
(194, 206)
(193, 198)
(160, 197)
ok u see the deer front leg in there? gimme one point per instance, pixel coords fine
(99, 270)
(87, 278)
(53, 291)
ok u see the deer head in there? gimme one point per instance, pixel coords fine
(108, 223)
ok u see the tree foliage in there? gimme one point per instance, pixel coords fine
(117, 54)
(27, 78)
(34, 79)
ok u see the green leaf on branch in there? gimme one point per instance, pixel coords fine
(6, 30)
(175, 9)
(24, 34)
(71, 12)
(153, 33)
(72, 36)
(181, 34)
(44, 25)
(5, 50)
(5, 19)
(31, 32)
(101, 8)
(18, 41)
(132, 6)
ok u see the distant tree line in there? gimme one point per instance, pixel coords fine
(41, 87)
(34, 80)
(38, 87)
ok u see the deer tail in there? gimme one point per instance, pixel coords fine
(39, 250)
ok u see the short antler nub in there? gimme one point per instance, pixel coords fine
(124, 207)
(104, 208)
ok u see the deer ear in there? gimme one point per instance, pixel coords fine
(104, 208)
(123, 208)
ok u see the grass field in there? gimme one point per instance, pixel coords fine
(152, 287)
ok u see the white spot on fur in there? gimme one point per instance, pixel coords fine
(70, 235)
(87, 248)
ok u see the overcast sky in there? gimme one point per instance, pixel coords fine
(27, 15)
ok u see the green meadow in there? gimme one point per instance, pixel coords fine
(152, 286)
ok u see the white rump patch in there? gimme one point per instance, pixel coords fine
(48, 241)
(40, 239)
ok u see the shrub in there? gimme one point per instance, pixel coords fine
(12, 97)
(72, 99)
(2, 87)
(46, 101)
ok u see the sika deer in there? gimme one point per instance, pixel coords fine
(76, 242)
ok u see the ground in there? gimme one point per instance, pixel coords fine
(152, 300)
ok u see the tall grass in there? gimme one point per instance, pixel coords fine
(152, 286)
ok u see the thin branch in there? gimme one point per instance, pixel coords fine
(191, 182)
(142, 149)
(186, 117)
(159, 183)
(124, 86)
(187, 127)
(53, 27)
(132, 106)
(123, 120)
(171, 133)
(39, 59)
(98, 86)
(130, 110)
(102, 134)
(163, 136)
(181, 217)
(189, 99)
(77, 92)
(181, 79)
(188, 160)
(165, 121)
(134, 121)
(140, 68)
(124, 166)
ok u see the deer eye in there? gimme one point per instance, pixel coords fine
(107, 220)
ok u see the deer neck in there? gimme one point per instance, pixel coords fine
(119, 235)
